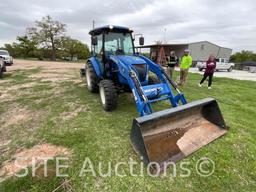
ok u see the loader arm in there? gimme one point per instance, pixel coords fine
(142, 93)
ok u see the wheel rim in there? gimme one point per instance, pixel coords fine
(88, 79)
(102, 95)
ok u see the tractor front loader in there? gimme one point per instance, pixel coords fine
(163, 136)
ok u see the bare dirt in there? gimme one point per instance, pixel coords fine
(54, 72)
(26, 157)
(16, 114)
(48, 65)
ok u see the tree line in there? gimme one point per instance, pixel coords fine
(47, 40)
(242, 56)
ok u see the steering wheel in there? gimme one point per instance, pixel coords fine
(119, 52)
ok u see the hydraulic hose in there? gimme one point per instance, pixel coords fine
(172, 82)
(137, 85)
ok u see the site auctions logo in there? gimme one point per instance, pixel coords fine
(204, 167)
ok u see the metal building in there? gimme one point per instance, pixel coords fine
(199, 51)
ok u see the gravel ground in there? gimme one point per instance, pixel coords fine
(235, 74)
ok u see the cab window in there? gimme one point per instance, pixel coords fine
(98, 48)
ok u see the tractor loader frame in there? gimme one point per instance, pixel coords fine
(163, 136)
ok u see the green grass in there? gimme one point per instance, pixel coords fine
(104, 137)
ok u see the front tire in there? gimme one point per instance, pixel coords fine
(108, 95)
(1, 73)
(230, 69)
(91, 79)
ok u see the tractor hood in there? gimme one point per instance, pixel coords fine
(130, 60)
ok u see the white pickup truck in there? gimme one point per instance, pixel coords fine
(221, 64)
(8, 60)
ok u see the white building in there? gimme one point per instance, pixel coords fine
(199, 51)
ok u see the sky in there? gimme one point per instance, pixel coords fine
(228, 23)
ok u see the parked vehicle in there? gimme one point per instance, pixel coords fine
(248, 66)
(2, 67)
(8, 60)
(221, 64)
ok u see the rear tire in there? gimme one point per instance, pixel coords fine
(200, 69)
(230, 69)
(91, 79)
(108, 95)
(4, 69)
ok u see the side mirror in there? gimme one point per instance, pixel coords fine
(141, 40)
(94, 40)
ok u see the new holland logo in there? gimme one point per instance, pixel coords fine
(154, 89)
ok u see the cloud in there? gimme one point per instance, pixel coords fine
(228, 23)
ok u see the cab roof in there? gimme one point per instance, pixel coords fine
(110, 28)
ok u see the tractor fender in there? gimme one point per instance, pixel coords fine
(96, 66)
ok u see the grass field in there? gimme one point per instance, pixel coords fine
(62, 112)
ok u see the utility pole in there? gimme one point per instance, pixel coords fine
(93, 24)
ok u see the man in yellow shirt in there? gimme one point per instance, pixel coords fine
(185, 64)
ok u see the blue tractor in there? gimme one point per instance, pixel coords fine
(167, 135)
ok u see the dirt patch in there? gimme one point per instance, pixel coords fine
(26, 157)
(53, 77)
(3, 81)
(72, 113)
(65, 71)
(21, 86)
(4, 146)
(5, 94)
(15, 115)
(20, 64)
(74, 109)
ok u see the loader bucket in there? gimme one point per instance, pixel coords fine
(172, 134)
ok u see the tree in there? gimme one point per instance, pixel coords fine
(10, 49)
(14, 49)
(73, 47)
(26, 45)
(48, 33)
(244, 55)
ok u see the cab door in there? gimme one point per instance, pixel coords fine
(97, 49)
(220, 64)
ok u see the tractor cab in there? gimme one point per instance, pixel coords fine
(117, 42)
(113, 40)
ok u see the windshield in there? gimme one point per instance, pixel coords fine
(4, 53)
(118, 44)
